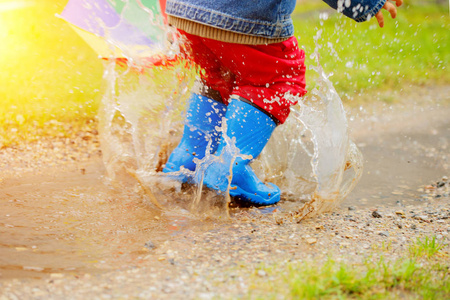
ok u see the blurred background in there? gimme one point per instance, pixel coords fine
(51, 80)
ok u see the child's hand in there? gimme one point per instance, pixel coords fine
(390, 8)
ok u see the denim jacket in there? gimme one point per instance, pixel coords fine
(264, 18)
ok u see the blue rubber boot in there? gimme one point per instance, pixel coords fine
(203, 117)
(247, 133)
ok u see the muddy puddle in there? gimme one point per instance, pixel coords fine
(405, 150)
(73, 222)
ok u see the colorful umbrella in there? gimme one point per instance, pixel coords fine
(121, 30)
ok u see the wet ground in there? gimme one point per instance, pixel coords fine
(63, 221)
(405, 148)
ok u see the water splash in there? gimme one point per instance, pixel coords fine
(316, 134)
(310, 157)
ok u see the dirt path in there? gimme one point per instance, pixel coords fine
(65, 234)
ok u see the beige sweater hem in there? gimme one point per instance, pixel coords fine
(220, 34)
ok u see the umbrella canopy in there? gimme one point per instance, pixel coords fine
(134, 29)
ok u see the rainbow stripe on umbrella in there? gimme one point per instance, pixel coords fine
(125, 31)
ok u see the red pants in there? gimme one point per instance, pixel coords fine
(262, 74)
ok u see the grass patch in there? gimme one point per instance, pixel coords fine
(365, 59)
(377, 278)
(425, 247)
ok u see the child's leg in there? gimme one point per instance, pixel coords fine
(206, 107)
(203, 116)
(263, 75)
(218, 81)
(248, 129)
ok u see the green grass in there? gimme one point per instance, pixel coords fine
(411, 50)
(51, 81)
(408, 277)
(426, 247)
